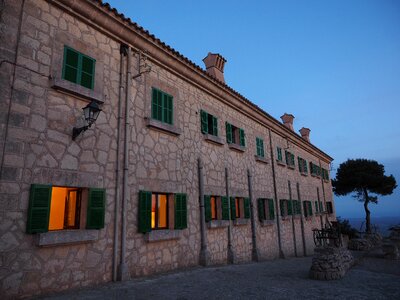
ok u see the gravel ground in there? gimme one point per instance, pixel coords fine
(372, 278)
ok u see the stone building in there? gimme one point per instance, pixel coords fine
(178, 169)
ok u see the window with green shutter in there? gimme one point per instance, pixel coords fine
(279, 154)
(321, 207)
(316, 207)
(209, 123)
(307, 208)
(162, 106)
(260, 147)
(283, 207)
(289, 158)
(302, 165)
(78, 68)
(266, 209)
(59, 208)
(329, 207)
(180, 206)
(271, 210)
(235, 135)
(96, 209)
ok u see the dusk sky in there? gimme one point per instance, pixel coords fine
(335, 65)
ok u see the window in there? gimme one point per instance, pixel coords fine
(289, 159)
(317, 207)
(155, 211)
(235, 135)
(266, 209)
(321, 207)
(329, 207)
(216, 208)
(307, 208)
(296, 207)
(209, 123)
(78, 68)
(240, 208)
(315, 169)
(59, 208)
(325, 174)
(302, 165)
(162, 106)
(289, 207)
(279, 154)
(260, 147)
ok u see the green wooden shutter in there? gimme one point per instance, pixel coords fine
(242, 137)
(271, 209)
(282, 207)
(167, 108)
(279, 152)
(180, 206)
(207, 208)
(228, 133)
(156, 105)
(215, 126)
(144, 211)
(70, 65)
(310, 208)
(204, 121)
(39, 208)
(87, 71)
(292, 159)
(321, 207)
(225, 208)
(299, 163)
(96, 209)
(289, 207)
(261, 209)
(257, 146)
(316, 206)
(246, 208)
(233, 208)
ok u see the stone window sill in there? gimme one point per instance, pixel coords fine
(76, 90)
(237, 147)
(66, 237)
(297, 217)
(267, 223)
(291, 167)
(280, 163)
(326, 180)
(316, 176)
(240, 222)
(212, 139)
(285, 218)
(261, 159)
(167, 128)
(304, 174)
(217, 224)
(162, 235)
(308, 218)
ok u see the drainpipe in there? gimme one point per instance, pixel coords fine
(123, 51)
(254, 254)
(281, 254)
(293, 227)
(231, 253)
(302, 220)
(204, 259)
(123, 268)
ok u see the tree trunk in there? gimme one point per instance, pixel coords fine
(367, 213)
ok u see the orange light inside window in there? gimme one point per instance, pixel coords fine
(162, 211)
(153, 210)
(213, 208)
(237, 206)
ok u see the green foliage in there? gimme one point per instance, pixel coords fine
(362, 176)
(346, 228)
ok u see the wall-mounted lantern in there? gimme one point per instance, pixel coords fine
(91, 112)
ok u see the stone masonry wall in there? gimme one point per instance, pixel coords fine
(39, 149)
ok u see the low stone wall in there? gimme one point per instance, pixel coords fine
(330, 263)
(364, 244)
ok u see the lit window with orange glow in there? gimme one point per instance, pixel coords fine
(237, 207)
(159, 211)
(213, 201)
(64, 208)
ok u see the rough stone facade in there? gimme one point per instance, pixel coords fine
(38, 111)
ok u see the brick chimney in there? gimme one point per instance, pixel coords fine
(287, 120)
(305, 133)
(215, 65)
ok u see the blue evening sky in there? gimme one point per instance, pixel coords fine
(335, 65)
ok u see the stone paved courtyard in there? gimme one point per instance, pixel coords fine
(373, 278)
